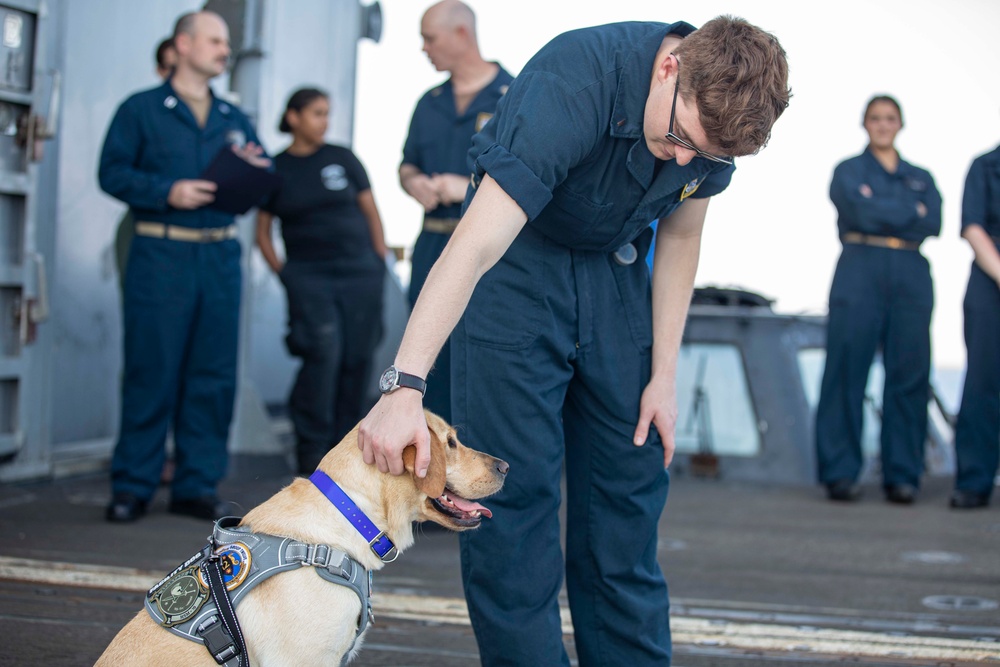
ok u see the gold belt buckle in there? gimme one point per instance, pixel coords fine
(895, 243)
(214, 234)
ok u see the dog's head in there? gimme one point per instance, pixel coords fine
(456, 478)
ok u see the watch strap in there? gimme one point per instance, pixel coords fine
(411, 381)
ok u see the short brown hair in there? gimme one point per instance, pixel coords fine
(738, 76)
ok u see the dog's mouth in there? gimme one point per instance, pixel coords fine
(460, 510)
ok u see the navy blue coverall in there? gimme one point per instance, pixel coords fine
(181, 299)
(880, 297)
(438, 143)
(554, 350)
(977, 434)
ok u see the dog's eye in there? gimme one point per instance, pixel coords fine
(452, 442)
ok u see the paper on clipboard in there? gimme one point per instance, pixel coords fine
(241, 185)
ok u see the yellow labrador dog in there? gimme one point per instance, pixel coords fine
(295, 617)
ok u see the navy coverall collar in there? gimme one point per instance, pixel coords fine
(444, 94)
(172, 101)
(630, 102)
(633, 83)
(902, 168)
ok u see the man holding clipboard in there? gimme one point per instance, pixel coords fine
(185, 162)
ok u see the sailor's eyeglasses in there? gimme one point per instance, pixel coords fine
(674, 139)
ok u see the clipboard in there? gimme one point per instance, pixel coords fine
(241, 185)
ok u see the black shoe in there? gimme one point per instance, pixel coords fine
(967, 500)
(125, 508)
(843, 490)
(209, 508)
(901, 494)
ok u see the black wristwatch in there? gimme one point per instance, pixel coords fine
(393, 378)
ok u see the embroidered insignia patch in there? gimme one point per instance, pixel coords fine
(180, 597)
(234, 561)
(689, 189)
(334, 177)
(482, 119)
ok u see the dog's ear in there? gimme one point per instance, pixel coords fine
(433, 484)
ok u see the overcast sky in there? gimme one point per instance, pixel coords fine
(774, 230)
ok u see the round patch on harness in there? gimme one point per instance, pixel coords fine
(181, 597)
(234, 561)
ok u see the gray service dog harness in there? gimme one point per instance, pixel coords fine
(188, 604)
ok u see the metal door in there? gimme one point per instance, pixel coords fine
(28, 101)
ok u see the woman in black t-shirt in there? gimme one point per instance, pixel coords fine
(333, 275)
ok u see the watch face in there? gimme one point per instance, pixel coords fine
(388, 380)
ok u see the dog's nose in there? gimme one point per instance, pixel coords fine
(502, 466)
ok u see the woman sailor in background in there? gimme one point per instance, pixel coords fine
(977, 434)
(333, 276)
(881, 297)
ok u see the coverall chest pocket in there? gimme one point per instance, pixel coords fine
(578, 221)
(170, 158)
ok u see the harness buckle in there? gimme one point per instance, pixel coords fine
(226, 654)
(317, 555)
(220, 645)
(321, 557)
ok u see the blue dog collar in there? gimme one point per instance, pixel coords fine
(380, 544)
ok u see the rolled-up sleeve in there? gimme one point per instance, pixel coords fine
(541, 130)
(411, 151)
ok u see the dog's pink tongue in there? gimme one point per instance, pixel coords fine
(468, 505)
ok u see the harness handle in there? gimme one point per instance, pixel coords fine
(237, 647)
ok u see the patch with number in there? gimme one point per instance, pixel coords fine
(234, 562)
(180, 597)
(690, 189)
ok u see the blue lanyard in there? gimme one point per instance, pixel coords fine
(380, 544)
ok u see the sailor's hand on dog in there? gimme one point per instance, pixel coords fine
(396, 422)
